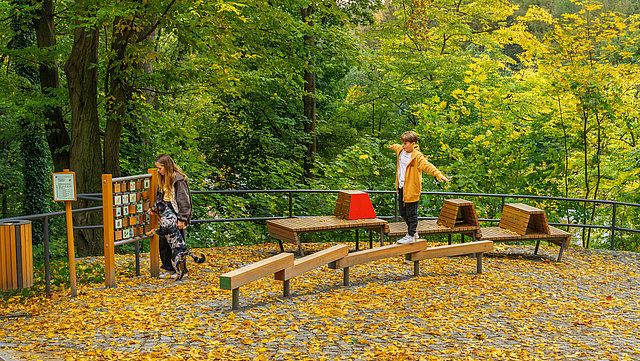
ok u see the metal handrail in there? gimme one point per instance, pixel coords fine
(290, 193)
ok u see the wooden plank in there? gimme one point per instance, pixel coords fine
(469, 214)
(428, 226)
(282, 234)
(458, 202)
(4, 261)
(524, 208)
(514, 220)
(451, 250)
(373, 254)
(312, 261)
(449, 210)
(27, 257)
(249, 273)
(539, 223)
(497, 234)
(321, 223)
(13, 264)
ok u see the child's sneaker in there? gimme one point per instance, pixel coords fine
(415, 237)
(406, 239)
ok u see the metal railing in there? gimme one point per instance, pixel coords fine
(612, 227)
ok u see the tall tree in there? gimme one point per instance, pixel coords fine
(589, 61)
(56, 129)
(309, 93)
(85, 158)
(36, 168)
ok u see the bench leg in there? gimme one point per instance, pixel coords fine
(345, 276)
(381, 236)
(479, 262)
(235, 298)
(281, 247)
(416, 268)
(449, 236)
(370, 239)
(357, 240)
(564, 244)
(300, 249)
(473, 236)
(535, 251)
(285, 288)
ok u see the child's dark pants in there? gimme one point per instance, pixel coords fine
(409, 212)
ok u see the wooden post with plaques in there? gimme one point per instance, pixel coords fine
(109, 231)
(154, 243)
(64, 189)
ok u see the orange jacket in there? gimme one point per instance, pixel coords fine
(413, 174)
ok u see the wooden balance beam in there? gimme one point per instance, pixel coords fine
(374, 254)
(309, 263)
(235, 279)
(284, 267)
(451, 250)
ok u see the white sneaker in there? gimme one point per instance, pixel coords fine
(406, 239)
(415, 237)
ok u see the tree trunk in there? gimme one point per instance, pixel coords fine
(118, 94)
(309, 96)
(57, 135)
(85, 156)
(36, 166)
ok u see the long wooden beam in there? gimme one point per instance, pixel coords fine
(249, 273)
(312, 261)
(451, 250)
(374, 254)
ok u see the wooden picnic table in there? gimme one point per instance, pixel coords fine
(290, 229)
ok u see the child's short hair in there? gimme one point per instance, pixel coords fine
(409, 136)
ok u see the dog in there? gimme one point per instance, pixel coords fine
(169, 228)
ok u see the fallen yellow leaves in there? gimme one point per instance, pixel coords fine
(519, 309)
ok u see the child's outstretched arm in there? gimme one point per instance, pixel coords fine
(426, 166)
(395, 147)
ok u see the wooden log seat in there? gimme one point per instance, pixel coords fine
(521, 222)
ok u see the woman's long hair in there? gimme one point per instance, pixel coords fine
(166, 181)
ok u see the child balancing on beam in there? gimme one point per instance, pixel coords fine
(411, 164)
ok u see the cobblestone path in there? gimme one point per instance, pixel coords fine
(522, 307)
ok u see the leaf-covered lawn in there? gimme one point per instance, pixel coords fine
(521, 308)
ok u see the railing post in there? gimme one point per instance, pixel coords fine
(613, 227)
(290, 204)
(395, 206)
(47, 270)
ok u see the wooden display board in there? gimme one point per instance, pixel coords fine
(125, 202)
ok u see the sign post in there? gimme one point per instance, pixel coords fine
(64, 189)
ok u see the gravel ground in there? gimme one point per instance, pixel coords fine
(522, 307)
